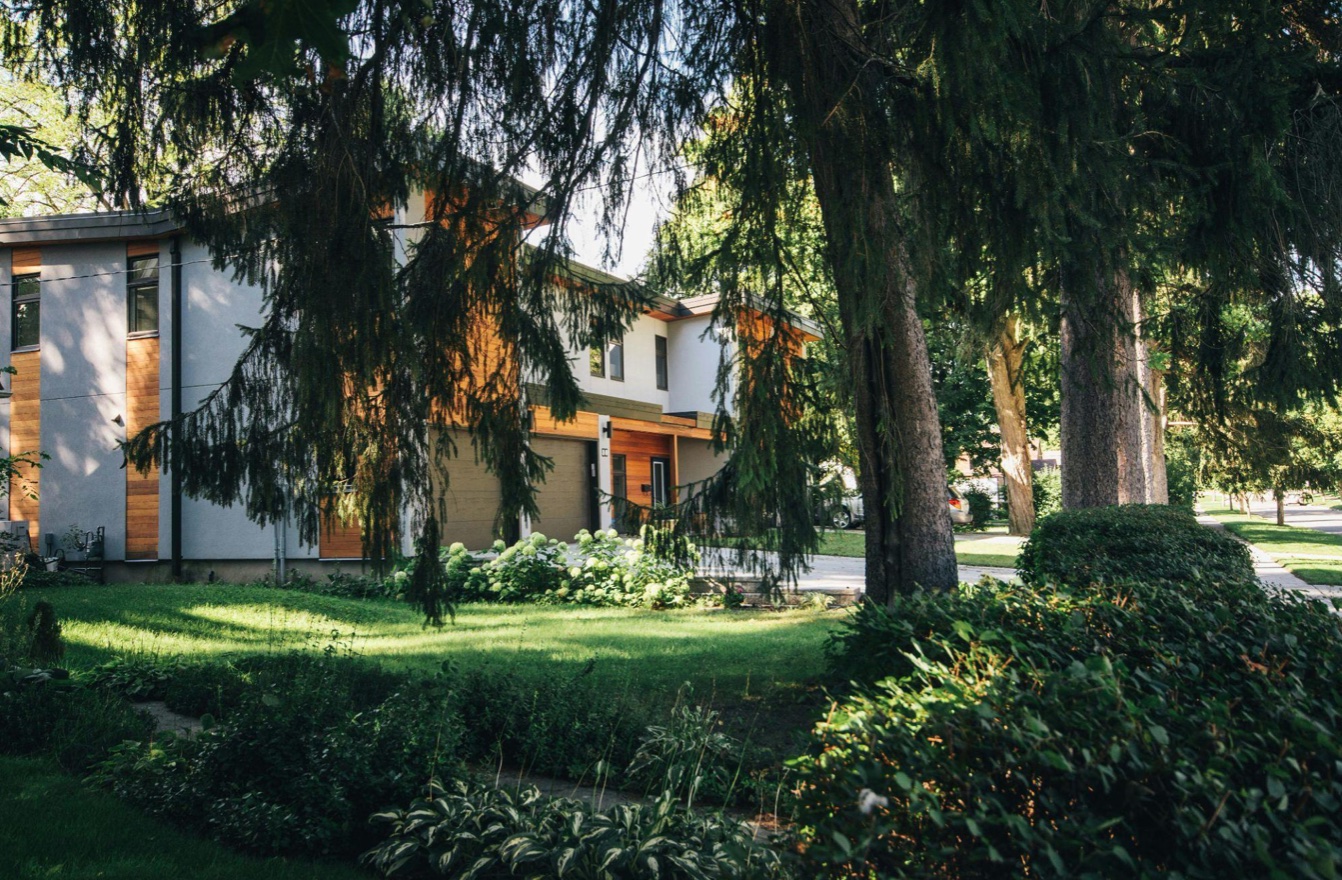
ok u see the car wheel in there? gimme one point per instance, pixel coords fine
(842, 518)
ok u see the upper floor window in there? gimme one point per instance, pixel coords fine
(25, 323)
(142, 294)
(617, 360)
(598, 359)
(662, 383)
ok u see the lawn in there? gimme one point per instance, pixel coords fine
(728, 654)
(52, 826)
(1313, 556)
(992, 548)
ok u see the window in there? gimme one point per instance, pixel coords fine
(599, 360)
(661, 363)
(142, 294)
(26, 324)
(617, 360)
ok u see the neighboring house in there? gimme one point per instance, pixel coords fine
(104, 329)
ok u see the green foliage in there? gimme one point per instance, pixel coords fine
(980, 508)
(45, 712)
(296, 765)
(1133, 729)
(652, 571)
(45, 646)
(1047, 485)
(1182, 465)
(688, 756)
(1154, 543)
(39, 578)
(489, 834)
(347, 585)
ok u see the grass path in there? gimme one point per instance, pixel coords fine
(1313, 556)
(51, 826)
(731, 654)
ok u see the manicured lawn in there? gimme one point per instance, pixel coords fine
(991, 548)
(52, 826)
(731, 655)
(1313, 556)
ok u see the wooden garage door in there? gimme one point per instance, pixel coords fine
(471, 499)
(564, 496)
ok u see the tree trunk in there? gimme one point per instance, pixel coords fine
(1155, 392)
(1280, 496)
(1103, 456)
(1005, 357)
(816, 50)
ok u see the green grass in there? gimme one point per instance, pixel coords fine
(991, 548)
(731, 655)
(51, 826)
(1294, 548)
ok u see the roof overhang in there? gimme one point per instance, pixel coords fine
(84, 228)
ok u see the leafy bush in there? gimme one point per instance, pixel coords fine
(1047, 485)
(980, 508)
(486, 833)
(45, 712)
(45, 645)
(561, 725)
(300, 761)
(653, 570)
(1182, 459)
(1147, 542)
(39, 578)
(1129, 730)
(346, 585)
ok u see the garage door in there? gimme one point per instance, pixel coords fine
(564, 496)
(470, 501)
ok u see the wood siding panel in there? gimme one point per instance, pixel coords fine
(25, 435)
(639, 448)
(340, 538)
(583, 426)
(142, 410)
(142, 248)
(25, 261)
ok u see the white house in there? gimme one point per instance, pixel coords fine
(117, 320)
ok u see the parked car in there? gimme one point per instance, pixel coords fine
(849, 511)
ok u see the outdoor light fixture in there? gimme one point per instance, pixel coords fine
(605, 430)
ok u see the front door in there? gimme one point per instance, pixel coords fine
(661, 482)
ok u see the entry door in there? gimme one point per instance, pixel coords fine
(661, 482)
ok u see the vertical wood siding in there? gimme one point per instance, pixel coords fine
(25, 435)
(142, 410)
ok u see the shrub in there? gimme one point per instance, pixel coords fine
(980, 508)
(525, 571)
(1047, 485)
(345, 585)
(1133, 730)
(39, 578)
(45, 645)
(487, 833)
(45, 712)
(300, 761)
(1182, 459)
(1146, 542)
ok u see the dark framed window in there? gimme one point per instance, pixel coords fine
(598, 358)
(662, 383)
(142, 294)
(26, 315)
(617, 360)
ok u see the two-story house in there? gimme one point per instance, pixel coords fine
(118, 320)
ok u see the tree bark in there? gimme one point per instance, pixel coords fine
(1155, 392)
(1005, 357)
(1104, 458)
(815, 49)
(1280, 495)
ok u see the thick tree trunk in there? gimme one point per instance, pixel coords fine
(1005, 357)
(1104, 459)
(909, 537)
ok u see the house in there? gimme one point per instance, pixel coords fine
(117, 321)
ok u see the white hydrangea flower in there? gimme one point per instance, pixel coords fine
(868, 800)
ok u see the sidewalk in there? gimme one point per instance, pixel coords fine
(1270, 572)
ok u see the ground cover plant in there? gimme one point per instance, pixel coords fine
(52, 825)
(1311, 555)
(1101, 729)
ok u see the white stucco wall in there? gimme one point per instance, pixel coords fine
(697, 461)
(694, 350)
(640, 365)
(83, 352)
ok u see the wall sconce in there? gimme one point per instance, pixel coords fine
(605, 430)
(119, 421)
